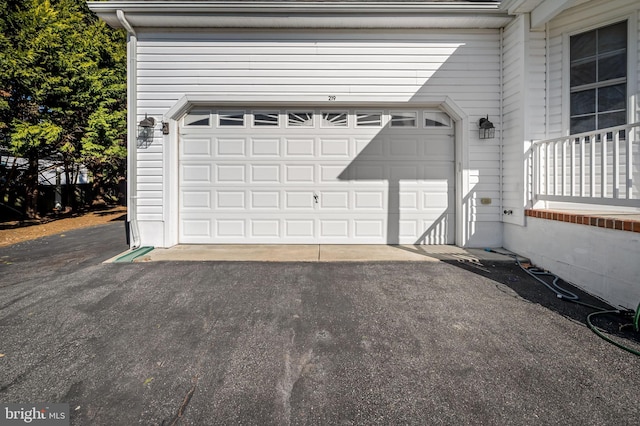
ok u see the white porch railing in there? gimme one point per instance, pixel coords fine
(592, 168)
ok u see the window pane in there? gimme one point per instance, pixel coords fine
(365, 119)
(436, 119)
(583, 45)
(610, 67)
(612, 119)
(197, 118)
(583, 102)
(334, 119)
(613, 37)
(583, 124)
(300, 119)
(403, 119)
(605, 47)
(583, 73)
(263, 119)
(231, 118)
(612, 98)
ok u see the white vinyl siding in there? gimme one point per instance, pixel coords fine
(524, 93)
(461, 64)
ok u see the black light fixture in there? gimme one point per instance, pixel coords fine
(145, 131)
(486, 129)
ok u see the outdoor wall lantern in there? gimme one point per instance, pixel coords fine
(145, 131)
(486, 128)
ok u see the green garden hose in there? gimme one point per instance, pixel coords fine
(565, 294)
(603, 336)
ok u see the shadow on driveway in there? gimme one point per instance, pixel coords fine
(511, 279)
(295, 343)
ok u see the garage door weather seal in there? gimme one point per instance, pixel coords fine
(133, 255)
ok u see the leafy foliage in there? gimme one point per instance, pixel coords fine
(62, 87)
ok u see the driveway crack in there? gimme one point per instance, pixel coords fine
(185, 403)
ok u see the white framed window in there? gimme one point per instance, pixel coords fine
(334, 119)
(406, 119)
(436, 119)
(300, 119)
(598, 78)
(231, 118)
(368, 119)
(197, 119)
(266, 119)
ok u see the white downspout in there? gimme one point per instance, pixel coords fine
(132, 117)
(501, 140)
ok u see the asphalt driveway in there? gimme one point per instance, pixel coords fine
(206, 343)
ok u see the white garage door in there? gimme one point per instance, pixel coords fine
(312, 176)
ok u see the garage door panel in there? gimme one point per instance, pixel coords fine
(265, 173)
(196, 200)
(400, 172)
(405, 148)
(230, 147)
(195, 148)
(230, 199)
(230, 227)
(299, 200)
(437, 172)
(334, 200)
(408, 229)
(439, 231)
(303, 179)
(437, 151)
(435, 200)
(366, 149)
(229, 173)
(331, 147)
(368, 228)
(299, 147)
(193, 174)
(331, 173)
(408, 200)
(373, 173)
(261, 228)
(265, 147)
(196, 228)
(265, 200)
(368, 200)
(299, 174)
(299, 229)
(334, 229)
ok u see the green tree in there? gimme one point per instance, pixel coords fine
(64, 90)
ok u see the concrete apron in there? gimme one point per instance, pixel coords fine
(318, 253)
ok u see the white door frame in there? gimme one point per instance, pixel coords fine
(187, 102)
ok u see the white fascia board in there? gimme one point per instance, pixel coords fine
(284, 14)
(515, 7)
(549, 9)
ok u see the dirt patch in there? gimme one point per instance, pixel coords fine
(17, 232)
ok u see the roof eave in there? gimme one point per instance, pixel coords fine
(347, 14)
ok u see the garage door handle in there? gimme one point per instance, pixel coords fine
(315, 198)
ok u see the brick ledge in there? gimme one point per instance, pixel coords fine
(599, 220)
